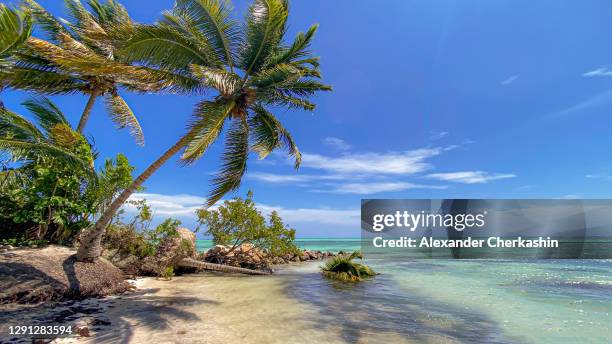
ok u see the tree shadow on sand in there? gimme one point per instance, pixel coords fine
(380, 307)
(142, 307)
(149, 311)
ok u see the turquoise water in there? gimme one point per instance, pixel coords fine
(315, 244)
(463, 301)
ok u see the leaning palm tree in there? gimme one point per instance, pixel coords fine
(342, 268)
(15, 28)
(81, 57)
(250, 70)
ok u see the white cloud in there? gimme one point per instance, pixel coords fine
(509, 80)
(372, 188)
(290, 178)
(337, 143)
(170, 205)
(598, 72)
(437, 135)
(328, 216)
(184, 206)
(408, 162)
(469, 177)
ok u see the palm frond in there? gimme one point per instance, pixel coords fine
(213, 19)
(268, 134)
(123, 116)
(41, 80)
(227, 83)
(266, 25)
(15, 126)
(205, 127)
(234, 158)
(164, 46)
(298, 49)
(24, 150)
(46, 112)
(276, 77)
(44, 19)
(342, 268)
(15, 28)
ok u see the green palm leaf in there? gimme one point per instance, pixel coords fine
(266, 25)
(15, 28)
(213, 19)
(46, 112)
(226, 83)
(234, 158)
(205, 128)
(123, 116)
(268, 134)
(164, 46)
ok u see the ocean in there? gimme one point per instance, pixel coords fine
(461, 301)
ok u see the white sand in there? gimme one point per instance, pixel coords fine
(206, 308)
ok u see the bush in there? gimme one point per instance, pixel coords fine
(342, 268)
(239, 222)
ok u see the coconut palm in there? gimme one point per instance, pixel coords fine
(29, 151)
(23, 142)
(250, 70)
(15, 28)
(81, 57)
(342, 268)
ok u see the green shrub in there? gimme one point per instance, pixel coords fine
(342, 268)
(238, 222)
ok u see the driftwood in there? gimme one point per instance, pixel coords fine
(192, 263)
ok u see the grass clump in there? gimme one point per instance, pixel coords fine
(343, 268)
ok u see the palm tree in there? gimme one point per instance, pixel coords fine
(15, 28)
(49, 142)
(24, 142)
(82, 57)
(342, 268)
(250, 70)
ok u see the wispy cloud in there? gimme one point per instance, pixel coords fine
(391, 163)
(601, 176)
(290, 178)
(600, 99)
(438, 135)
(372, 188)
(598, 72)
(509, 80)
(170, 205)
(469, 177)
(185, 206)
(337, 143)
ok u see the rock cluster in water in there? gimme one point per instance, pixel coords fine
(248, 256)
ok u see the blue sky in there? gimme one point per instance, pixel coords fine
(432, 99)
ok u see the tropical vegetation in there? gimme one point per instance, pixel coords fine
(343, 268)
(49, 188)
(50, 183)
(237, 222)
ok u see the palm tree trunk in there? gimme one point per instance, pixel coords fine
(90, 247)
(87, 112)
(192, 263)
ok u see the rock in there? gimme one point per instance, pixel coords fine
(169, 253)
(83, 331)
(189, 236)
